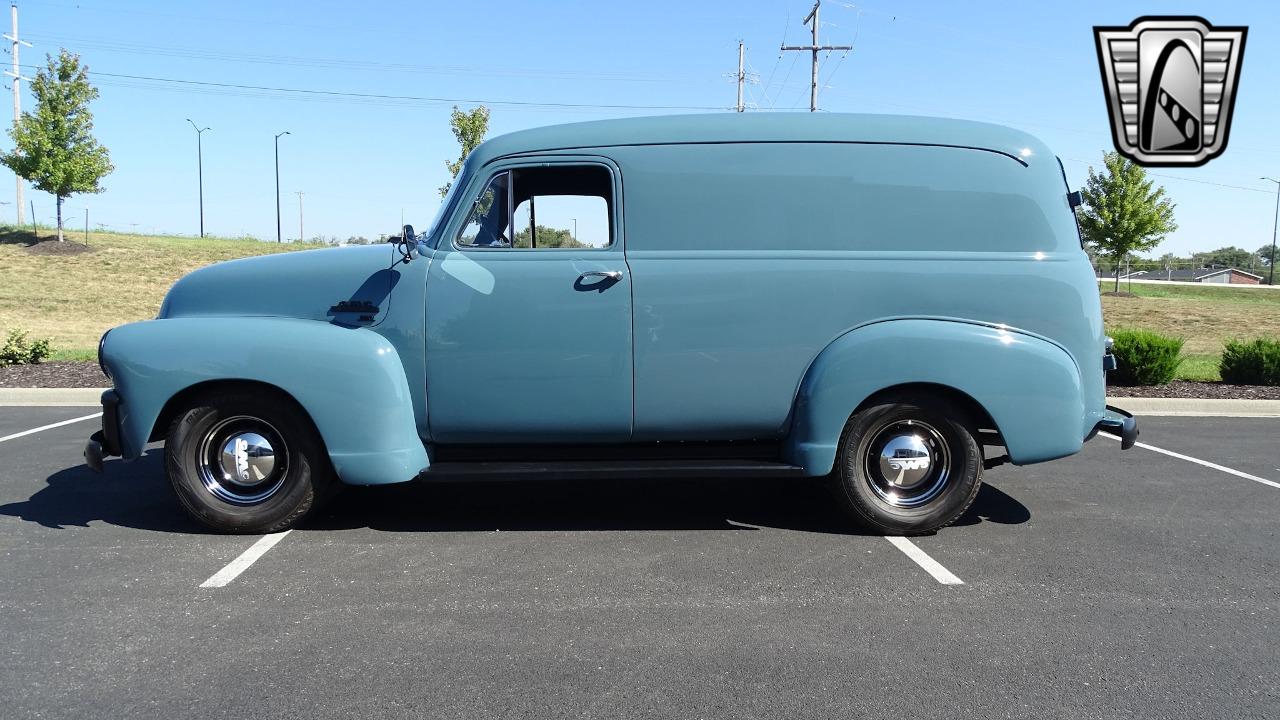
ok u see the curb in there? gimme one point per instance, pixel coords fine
(1193, 407)
(1151, 407)
(50, 397)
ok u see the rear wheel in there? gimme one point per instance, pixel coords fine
(908, 465)
(246, 463)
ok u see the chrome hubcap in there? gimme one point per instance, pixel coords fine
(242, 460)
(247, 459)
(908, 463)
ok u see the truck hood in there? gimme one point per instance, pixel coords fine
(348, 285)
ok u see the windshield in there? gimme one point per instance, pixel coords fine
(444, 210)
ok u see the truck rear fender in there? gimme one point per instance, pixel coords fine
(1028, 386)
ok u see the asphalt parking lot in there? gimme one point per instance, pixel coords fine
(1106, 585)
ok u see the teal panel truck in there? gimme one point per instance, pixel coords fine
(889, 304)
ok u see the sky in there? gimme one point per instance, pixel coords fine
(363, 162)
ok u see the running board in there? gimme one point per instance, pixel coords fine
(501, 471)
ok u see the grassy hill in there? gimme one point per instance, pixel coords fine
(74, 294)
(1205, 315)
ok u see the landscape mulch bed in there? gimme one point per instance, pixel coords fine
(53, 247)
(75, 374)
(1204, 390)
(54, 374)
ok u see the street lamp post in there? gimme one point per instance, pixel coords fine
(200, 169)
(1275, 221)
(286, 132)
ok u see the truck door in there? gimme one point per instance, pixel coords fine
(528, 315)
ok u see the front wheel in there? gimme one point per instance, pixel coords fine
(246, 463)
(908, 466)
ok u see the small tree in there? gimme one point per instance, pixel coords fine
(469, 128)
(54, 147)
(1122, 213)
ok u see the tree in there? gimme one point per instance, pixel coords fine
(1122, 213)
(1227, 257)
(469, 128)
(54, 147)
(1264, 254)
(548, 238)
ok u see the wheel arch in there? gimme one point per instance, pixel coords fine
(978, 416)
(188, 397)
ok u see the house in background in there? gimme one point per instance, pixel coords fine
(1215, 275)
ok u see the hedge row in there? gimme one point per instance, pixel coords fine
(1148, 358)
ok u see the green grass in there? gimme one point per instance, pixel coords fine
(1205, 315)
(75, 298)
(76, 354)
(1203, 368)
(1204, 291)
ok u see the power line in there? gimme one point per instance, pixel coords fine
(785, 78)
(408, 98)
(1182, 178)
(300, 61)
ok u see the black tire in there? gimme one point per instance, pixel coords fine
(231, 499)
(896, 436)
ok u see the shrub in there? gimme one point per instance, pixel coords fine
(1256, 362)
(1144, 357)
(18, 350)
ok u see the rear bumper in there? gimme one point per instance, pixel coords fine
(105, 442)
(1119, 423)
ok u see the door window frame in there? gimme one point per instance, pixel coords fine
(477, 187)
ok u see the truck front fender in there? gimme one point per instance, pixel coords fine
(349, 380)
(1029, 386)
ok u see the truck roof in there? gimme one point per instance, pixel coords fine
(766, 127)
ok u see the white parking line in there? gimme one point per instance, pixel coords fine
(49, 427)
(921, 558)
(1198, 461)
(242, 563)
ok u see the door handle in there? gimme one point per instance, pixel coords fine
(597, 280)
(607, 274)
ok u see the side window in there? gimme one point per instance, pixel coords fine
(551, 207)
(488, 224)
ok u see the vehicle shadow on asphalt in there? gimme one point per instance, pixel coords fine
(133, 494)
(592, 505)
(136, 495)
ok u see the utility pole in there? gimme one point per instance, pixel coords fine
(814, 48)
(742, 77)
(16, 74)
(278, 235)
(1274, 223)
(301, 234)
(200, 169)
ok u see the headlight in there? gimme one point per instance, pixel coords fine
(101, 364)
